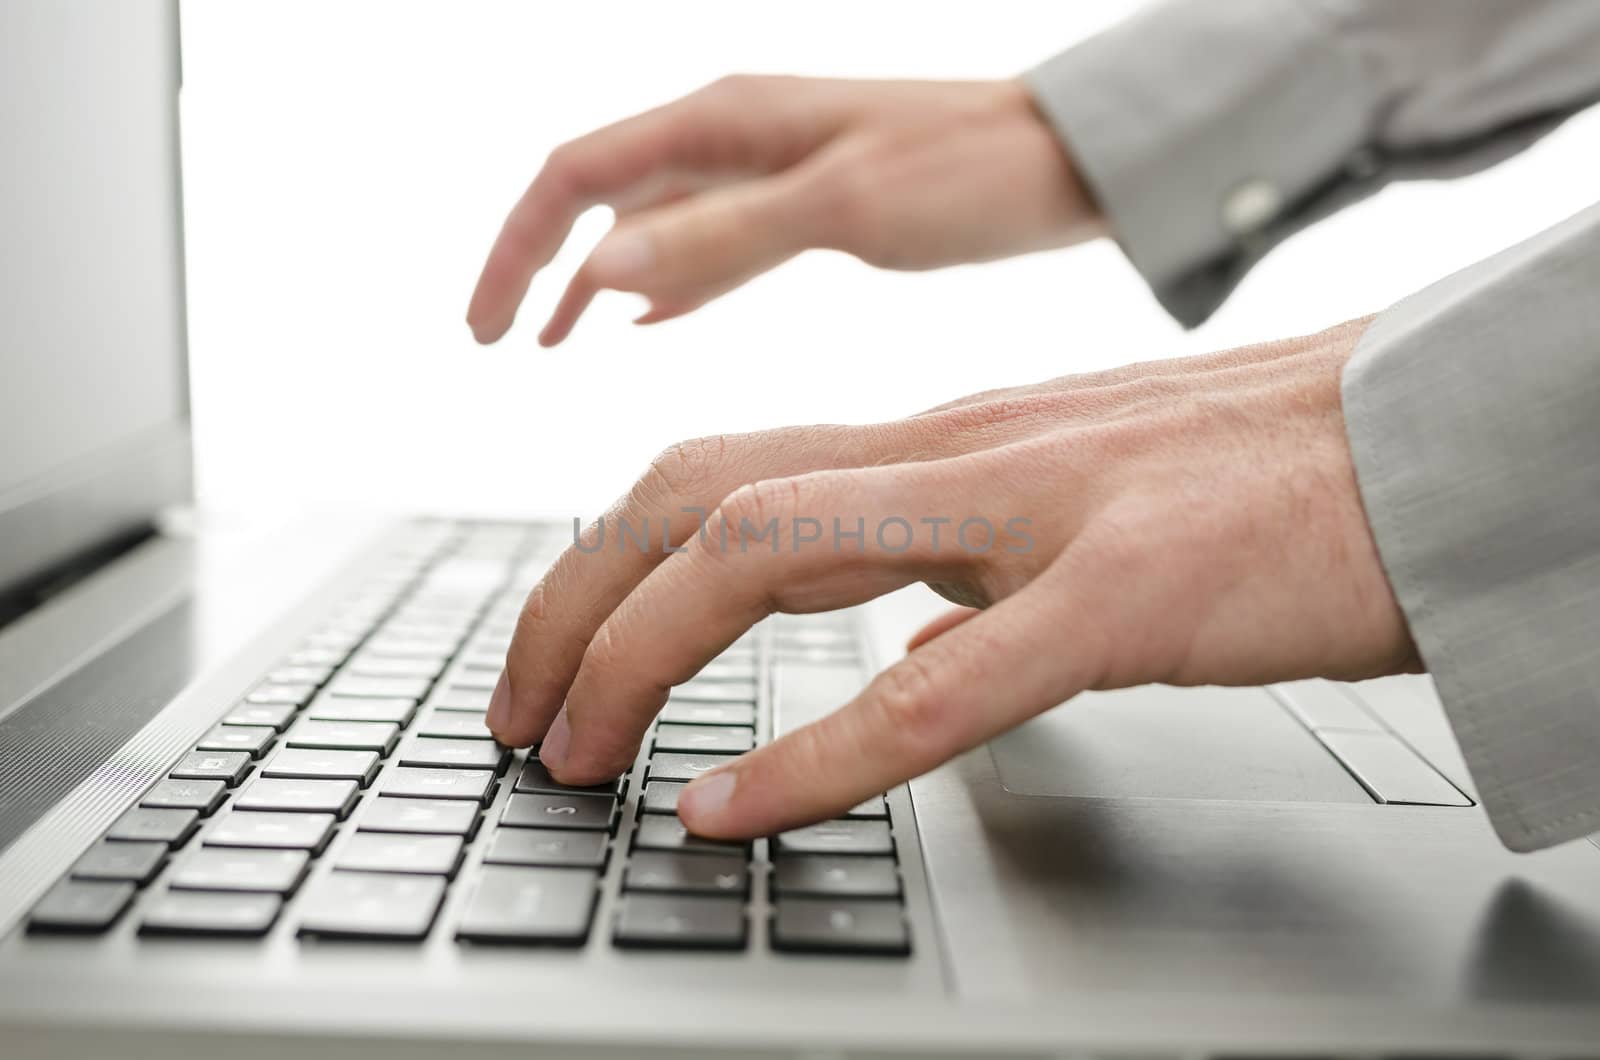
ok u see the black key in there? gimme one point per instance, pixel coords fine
(661, 796)
(671, 766)
(474, 784)
(300, 675)
(337, 797)
(200, 913)
(305, 764)
(518, 904)
(422, 666)
(676, 921)
(413, 688)
(535, 777)
(820, 925)
(420, 817)
(371, 905)
(202, 796)
(684, 712)
(544, 846)
(836, 837)
(427, 855)
(132, 862)
(379, 736)
(172, 827)
(229, 767)
(455, 754)
(222, 869)
(659, 832)
(277, 715)
(579, 812)
(873, 807)
(272, 831)
(658, 870)
(716, 692)
(705, 739)
(458, 725)
(291, 695)
(462, 699)
(348, 708)
(841, 876)
(253, 740)
(80, 906)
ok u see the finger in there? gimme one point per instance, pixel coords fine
(720, 132)
(1023, 655)
(943, 624)
(683, 254)
(585, 584)
(692, 607)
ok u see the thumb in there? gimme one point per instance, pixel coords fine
(686, 253)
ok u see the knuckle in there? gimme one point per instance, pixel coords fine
(563, 169)
(731, 86)
(684, 469)
(762, 502)
(846, 193)
(910, 703)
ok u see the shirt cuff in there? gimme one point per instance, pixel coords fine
(1473, 414)
(1206, 132)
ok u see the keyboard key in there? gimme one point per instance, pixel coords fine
(346, 708)
(430, 855)
(290, 695)
(229, 767)
(277, 715)
(659, 832)
(200, 913)
(543, 846)
(80, 906)
(202, 796)
(337, 797)
(379, 736)
(221, 869)
(474, 784)
(728, 670)
(273, 831)
(475, 680)
(462, 699)
(661, 796)
(580, 812)
(681, 922)
(840, 876)
(458, 725)
(455, 754)
(420, 817)
(371, 905)
(301, 675)
(421, 666)
(251, 739)
(874, 807)
(412, 688)
(133, 862)
(671, 766)
(658, 870)
(819, 925)
(535, 777)
(715, 692)
(386, 646)
(836, 837)
(518, 904)
(325, 657)
(705, 739)
(305, 764)
(683, 712)
(172, 827)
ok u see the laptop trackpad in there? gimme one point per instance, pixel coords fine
(1172, 743)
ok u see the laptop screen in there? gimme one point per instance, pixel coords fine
(93, 387)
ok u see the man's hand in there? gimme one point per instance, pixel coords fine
(737, 178)
(1190, 522)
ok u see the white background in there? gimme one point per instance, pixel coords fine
(347, 165)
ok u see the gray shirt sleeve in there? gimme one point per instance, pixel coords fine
(1210, 131)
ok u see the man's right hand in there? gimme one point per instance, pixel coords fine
(734, 179)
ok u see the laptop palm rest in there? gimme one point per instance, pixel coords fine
(1235, 744)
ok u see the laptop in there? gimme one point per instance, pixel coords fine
(248, 804)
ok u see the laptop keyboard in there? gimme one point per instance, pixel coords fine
(356, 785)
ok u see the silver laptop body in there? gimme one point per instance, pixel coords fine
(246, 805)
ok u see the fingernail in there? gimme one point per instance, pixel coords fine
(499, 705)
(708, 796)
(622, 255)
(553, 751)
